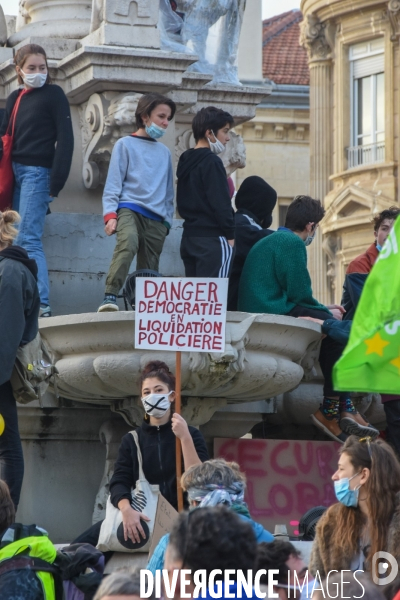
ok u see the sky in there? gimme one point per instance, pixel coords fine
(270, 7)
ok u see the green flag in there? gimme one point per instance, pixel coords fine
(371, 360)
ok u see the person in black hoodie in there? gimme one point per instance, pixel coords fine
(157, 439)
(203, 198)
(254, 202)
(41, 154)
(19, 312)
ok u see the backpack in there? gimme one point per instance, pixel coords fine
(27, 564)
(32, 371)
(32, 568)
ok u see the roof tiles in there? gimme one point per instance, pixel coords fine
(284, 60)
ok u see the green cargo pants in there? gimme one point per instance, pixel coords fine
(139, 235)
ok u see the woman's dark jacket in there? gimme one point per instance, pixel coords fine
(157, 445)
(19, 305)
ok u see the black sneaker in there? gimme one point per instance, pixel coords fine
(109, 304)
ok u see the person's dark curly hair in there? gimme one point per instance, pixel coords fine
(213, 538)
(274, 555)
(158, 370)
(391, 213)
(303, 210)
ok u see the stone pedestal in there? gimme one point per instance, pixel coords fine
(64, 464)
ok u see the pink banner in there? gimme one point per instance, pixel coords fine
(285, 478)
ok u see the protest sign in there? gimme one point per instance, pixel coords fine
(175, 313)
(166, 516)
(181, 314)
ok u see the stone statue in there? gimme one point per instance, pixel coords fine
(3, 27)
(186, 23)
(23, 15)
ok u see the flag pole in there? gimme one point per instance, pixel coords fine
(178, 409)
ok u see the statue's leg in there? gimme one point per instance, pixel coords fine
(195, 29)
(226, 70)
(97, 15)
(199, 18)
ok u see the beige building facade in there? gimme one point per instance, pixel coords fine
(353, 51)
(277, 139)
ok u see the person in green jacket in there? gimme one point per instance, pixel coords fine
(275, 280)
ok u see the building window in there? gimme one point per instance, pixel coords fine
(368, 103)
(283, 208)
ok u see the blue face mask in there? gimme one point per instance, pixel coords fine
(309, 239)
(154, 131)
(343, 492)
(378, 247)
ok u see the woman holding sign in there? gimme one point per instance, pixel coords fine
(157, 442)
(157, 435)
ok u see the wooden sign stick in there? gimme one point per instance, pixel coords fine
(178, 409)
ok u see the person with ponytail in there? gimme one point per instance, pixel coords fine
(157, 438)
(19, 312)
(41, 154)
(366, 520)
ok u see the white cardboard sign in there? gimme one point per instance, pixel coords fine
(180, 314)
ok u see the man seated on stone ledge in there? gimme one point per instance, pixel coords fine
(360, 267)
(356, 275)
(275, 280)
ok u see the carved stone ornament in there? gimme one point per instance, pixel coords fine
(104, 119)
(317, 38)
(233, 157)
(120, 12)
(97, 361)
(23, 15)
(394, 17)
(331, 246)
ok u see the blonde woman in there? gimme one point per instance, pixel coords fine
(19, 312)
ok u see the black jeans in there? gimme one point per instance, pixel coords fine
(11, 457)
(392, 412)
(330, 351)
(91, 536)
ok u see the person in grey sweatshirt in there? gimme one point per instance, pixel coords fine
(138, 198)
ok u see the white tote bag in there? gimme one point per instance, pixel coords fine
(144, 499)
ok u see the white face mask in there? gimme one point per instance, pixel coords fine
(216, 147)
(34, 80)
(156, 405)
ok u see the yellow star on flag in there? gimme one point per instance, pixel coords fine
(396, 363)
(376, 344)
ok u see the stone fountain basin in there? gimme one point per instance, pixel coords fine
(98, 362)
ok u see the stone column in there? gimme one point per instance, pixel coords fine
(317, 38)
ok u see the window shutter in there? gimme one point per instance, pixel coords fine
(368, 66)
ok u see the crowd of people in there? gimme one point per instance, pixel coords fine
(267, 273)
